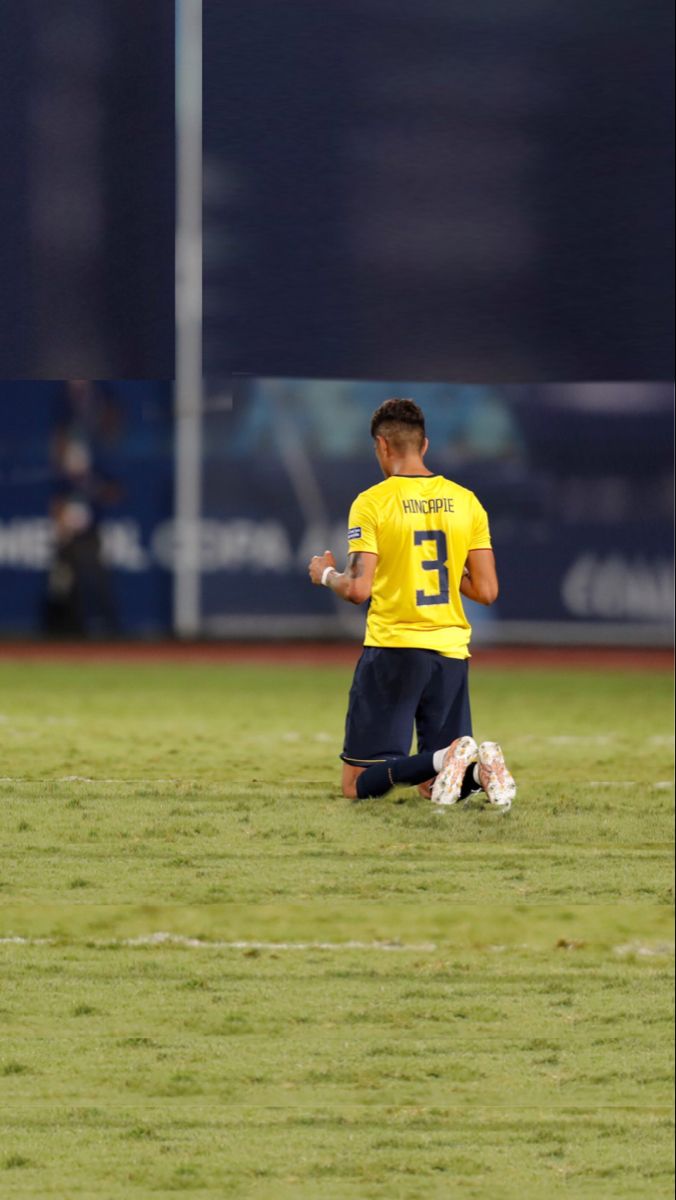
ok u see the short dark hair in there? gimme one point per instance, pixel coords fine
(400, 421)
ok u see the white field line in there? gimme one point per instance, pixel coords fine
(204, 783)
(642, 950)
(177, 939)
(639, 949)
(15, 940)
(292, 735)
(195, 943)
(35, 723)
(589, 739)
(656, 783)
(93, 779)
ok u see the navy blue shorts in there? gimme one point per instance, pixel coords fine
(395, 690)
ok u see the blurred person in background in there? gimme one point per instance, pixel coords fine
(87, 427)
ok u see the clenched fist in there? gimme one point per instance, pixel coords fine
(318, 564)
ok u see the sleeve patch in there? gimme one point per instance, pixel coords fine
(354, 533)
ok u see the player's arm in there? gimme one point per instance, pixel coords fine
(354, 583)
(479, 578)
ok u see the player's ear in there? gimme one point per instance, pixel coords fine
(424, 447)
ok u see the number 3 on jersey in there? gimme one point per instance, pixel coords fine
(433, 564)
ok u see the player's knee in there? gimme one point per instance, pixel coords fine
(350, 789)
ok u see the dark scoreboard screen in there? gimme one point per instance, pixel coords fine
(87, 196)
(438, 191)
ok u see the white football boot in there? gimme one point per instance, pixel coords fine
(460, 755)
(495, 779)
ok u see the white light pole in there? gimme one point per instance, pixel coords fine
(188, 388)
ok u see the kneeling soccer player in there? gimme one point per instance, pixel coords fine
(416, 542)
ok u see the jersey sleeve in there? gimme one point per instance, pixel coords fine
(362, 532)
(480, 537)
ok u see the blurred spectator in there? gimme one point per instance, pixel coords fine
(88, 424)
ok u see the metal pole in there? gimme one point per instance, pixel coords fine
(188, 389)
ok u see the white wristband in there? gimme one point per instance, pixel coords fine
(325, 575)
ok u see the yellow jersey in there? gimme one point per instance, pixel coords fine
(422, 528)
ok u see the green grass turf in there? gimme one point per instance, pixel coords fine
(514, 1042)
(198, 785)
(366, 1073)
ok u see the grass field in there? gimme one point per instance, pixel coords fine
(349, 1001)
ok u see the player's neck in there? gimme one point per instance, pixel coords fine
(409, 466)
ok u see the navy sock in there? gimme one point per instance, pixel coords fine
(469, 784)
(381, 777)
